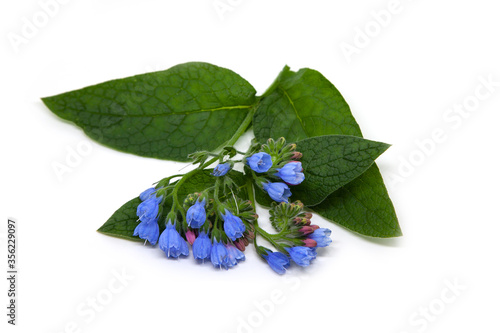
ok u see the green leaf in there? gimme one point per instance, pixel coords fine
(167, 114)
(362, 206)
(123, 222)
(330, 162)
(304, 104)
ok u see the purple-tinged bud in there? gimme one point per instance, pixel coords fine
(308, 242)
(315, 227)
(308, 215)
(240, 245)
(190, 236)
(245, 241)
(302, 220)
(306, 230)
(250, 234)
(296, 155)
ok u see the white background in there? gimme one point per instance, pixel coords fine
(400, 84)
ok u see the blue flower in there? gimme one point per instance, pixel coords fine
(233, 255)
(233, 226)
(148, 231)
(172, 243)
(291, 173)
(148, 210)
(302, 255)
(202, 246)
(196, 214)
(321, 236)
(146, 194)
(260, 162)
(277, 191)
(218, 255)
(221, 169)
(277, 261)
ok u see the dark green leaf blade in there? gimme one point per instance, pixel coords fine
(123, 222)
(330, 162)
(305, 104)
(302, 105)
(167, 114)
(363, 206)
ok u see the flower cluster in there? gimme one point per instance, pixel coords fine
(297, 239)
(276, 167)
(218, 222)
(214, 230)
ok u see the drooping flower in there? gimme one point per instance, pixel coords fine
(148, 231)
(277, 261)
(233, 226)
(291, 173)
(260, 162)
(302, 255)
(148, 210)
(218, 255)
(172, 243)
(221, 169)
(278, 191)
(322, 237)
(196, 214)
(147, 193)
(233, 255)
(202, 246)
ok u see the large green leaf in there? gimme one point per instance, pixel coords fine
(305, 104)
(330, 162)
(167, 114)
(123, 221)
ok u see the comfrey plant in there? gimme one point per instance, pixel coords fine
(196, 112)
(220, 221)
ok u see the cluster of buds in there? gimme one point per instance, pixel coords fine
(296, 240)
(275, 167)
(219, 222)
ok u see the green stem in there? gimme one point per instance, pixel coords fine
(258, 230)
(239, 132)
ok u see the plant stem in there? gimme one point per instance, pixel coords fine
(239, 132)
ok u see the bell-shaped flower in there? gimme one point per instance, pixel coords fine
(277, 191)
(302, 255)
(278, 261)
(233, 226)
(172, 243)
(218, 255)
(321, 236)
(221, 169)
(202, 246)
(147, 193)
(291, 173)
(234, 255)
(148, 210)
(148, 231)
(260, 162)
(196, 214)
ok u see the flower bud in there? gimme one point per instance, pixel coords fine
(240, 245)
(190, 236)
(308, 242)
(306, 230)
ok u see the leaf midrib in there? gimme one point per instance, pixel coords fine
(237, 107)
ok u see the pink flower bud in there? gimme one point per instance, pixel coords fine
(239, 245)
(306, 230)
(190, 236)
(308, 242)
